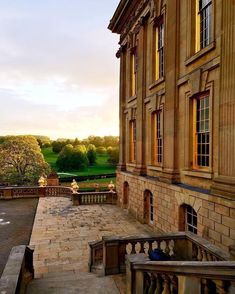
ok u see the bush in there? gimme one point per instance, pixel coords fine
(113, 156)
(72, 158)
(91, 154)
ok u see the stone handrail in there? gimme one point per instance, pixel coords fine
(30, 192)
(88, 198)
(181, 246)
(18, 271)
(194, 277)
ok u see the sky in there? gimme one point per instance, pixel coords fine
(58, 71)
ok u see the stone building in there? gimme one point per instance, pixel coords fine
(177, 115)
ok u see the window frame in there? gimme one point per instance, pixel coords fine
(159, 48)
(190, 226)
(133, 72)
(204, 13)
(132, 140)
(157, 136)
(196, 133)
(151, 208)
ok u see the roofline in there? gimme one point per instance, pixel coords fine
(113, 25)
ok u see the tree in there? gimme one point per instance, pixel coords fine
(112, 141)
(21, 160)
(43, 141)
(79, 157)
(64, 160)
(57, 146)
(101, 150)
(113, 154)
(71, 158)
(91, 154)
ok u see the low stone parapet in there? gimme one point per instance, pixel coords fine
(18, 271)
(87, 198)
(34, 192)
(183, 277)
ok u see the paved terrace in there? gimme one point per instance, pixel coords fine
(61, 234)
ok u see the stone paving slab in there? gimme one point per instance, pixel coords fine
(73, 283)
(61, 233)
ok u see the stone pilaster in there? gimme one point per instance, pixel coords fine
(224, 184)
(169, 173)
(122, 105)
(141, 90)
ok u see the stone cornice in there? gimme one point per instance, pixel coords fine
(127, 14)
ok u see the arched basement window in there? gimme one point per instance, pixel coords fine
(190, 219)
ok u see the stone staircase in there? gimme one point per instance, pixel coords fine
(75, 282)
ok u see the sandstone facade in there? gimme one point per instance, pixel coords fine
(177, 114)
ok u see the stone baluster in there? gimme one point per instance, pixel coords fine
(166, 285)
(174, 285)
(204, 256)
(167, 249)
(152, 287)
(159, 286)
(171, 247)
(209, 257)
(220, 287)
(199, 254)
(205, 287)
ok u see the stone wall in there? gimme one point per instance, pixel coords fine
(216, 215)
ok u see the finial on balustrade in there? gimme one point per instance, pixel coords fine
(97, 187)
(74, 186)
(42, 181)
(111, 186)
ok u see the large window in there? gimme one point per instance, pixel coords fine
(202, 132)
(159, 51)
(157, 137)
(190, 219)
(133, 140)
(204, 23)
(133, 80)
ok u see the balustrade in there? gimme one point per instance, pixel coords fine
(24, 192)
(87, 198)
(179, 246)
(183, 277)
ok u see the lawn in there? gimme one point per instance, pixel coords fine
(101, 167)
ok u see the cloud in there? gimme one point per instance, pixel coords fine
(58, 68)
(24, 117)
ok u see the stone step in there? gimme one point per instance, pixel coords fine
(69, 283)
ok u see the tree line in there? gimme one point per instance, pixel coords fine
(22, 162)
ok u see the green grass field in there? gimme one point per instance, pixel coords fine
(101, 167)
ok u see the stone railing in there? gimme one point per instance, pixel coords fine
(183, 277)
(18, 271)
(87, 198)
(108, 255)
(30, 192)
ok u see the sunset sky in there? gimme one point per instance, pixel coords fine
(59, 74)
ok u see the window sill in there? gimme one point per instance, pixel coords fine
(131, 99)
(154, 168)
(200, 53)
(156, 83)
(198, 174)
